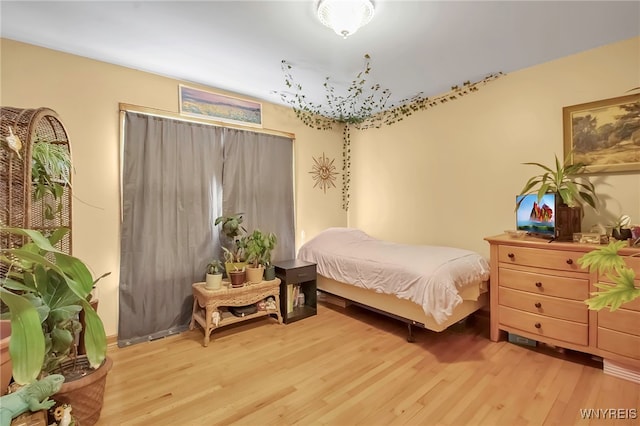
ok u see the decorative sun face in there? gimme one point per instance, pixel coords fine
(323, 173)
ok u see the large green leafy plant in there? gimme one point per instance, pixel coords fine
(562, 180)
(607, 261)
(45, 289)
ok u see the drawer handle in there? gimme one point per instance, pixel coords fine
(537, 325)
(539, 284)
(538, 305)
(511, 255)
(569, 261)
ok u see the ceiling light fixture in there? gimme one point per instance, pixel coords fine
(344, 17)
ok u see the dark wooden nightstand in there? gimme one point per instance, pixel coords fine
(297, 289)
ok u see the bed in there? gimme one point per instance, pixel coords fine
(427, 286)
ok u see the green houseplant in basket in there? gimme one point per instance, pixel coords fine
(50, 174)
(45, 290)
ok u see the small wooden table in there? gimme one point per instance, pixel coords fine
(207, 302)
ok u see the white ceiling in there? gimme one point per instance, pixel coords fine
(415, 46)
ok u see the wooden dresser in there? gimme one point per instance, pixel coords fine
(538, 291)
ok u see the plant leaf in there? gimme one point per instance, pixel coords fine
(604, 259)
(40, 240)
(95, 340)
(613, 296)
(26, 345)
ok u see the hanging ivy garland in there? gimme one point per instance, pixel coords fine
(365, 106)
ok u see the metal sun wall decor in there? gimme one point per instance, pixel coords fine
(365, 106)
(323, 173)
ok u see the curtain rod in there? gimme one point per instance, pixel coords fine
(175, 116)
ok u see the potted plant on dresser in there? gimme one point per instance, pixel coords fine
(45, 290)
(573, 192)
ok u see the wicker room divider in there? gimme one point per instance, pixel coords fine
(17, 205)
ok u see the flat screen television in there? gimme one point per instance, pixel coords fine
(537, 217)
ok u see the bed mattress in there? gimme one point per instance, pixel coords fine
(434, 277)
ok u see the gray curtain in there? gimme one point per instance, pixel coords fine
(177, 178)
(171, 195)
(258, 181)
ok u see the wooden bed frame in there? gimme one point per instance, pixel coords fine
(474, 297)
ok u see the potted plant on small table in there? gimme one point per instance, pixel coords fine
(259, 247)
(214, 275)
(234, 247)
(572, 192)
(270, 242)
(45, 290)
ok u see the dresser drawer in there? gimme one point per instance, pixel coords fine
(543, 326)
(620, 320)
(570, 310)
(619, 343)
(551, 259)
(299, 275)
(548, 285)
(633, 262)
(634, 305)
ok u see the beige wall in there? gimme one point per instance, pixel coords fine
(86, 93)
(449, 175)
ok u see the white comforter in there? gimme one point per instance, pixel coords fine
(430, 276)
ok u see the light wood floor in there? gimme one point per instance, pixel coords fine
(353, 367)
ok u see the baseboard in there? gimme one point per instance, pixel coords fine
(112, 340)
(622, 371)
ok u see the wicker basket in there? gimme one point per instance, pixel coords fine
(85, 395)
(17, 208)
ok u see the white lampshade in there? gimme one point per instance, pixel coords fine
(345, 16)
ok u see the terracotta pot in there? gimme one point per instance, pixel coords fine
(254, 275)
(237, 278)
(86, 394)
(5, 357)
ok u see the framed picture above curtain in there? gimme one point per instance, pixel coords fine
(604, 135)
(214, 106)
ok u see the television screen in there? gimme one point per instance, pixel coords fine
(537, 217)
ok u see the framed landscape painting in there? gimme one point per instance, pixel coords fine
(214, 106)
(604, 135)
